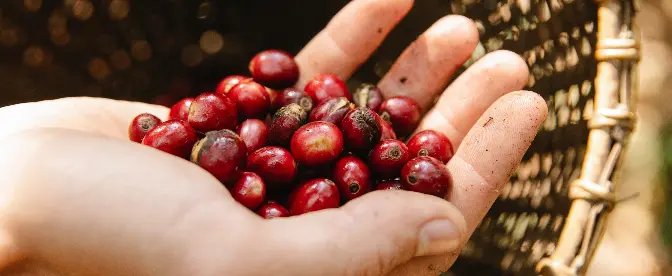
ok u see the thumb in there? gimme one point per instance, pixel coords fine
(368, 236)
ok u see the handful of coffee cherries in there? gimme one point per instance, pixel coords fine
(283, 151)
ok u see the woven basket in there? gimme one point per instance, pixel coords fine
(582, 56)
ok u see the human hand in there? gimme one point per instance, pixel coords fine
(77, 198)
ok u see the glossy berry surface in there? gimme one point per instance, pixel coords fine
(317, 143)
(323, 87)
(332, 110)
(286, 121)
(361, 130)
(275, 69)
(389, 185)
(403, 113)
(140, 125)
(426, 175)
(251, 98)
(173, 136)
(369, 96)
(275, 165)
(271, 210)
(180, 110)
(431, 143)
(254, 133)
(314, 195)
(222, 153)
(352, 177)
(212, 112)
(229, 82)
(292, 95)
(386, 131)
(387, 158)
(249, 190)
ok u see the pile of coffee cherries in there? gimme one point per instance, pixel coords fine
(283, 151)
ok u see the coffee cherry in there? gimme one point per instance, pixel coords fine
(251, 98)
(254, 133)
(271, 210)
(140, 125)
(212, 112)
(180, 110)
(286, 121)
(389, 185)
(387, 158)
(275, 165)
(361, 130)
(173, 136)
(249, 190)
(317, 143)
(273, 98)
(292, 95)
(368, 95)
(431, 143)
(352, 177)
(222, 153)
(229, 82)
(403, 112)
(386, 131)
(332, 110)
(323, 87)
(275, 69)
(426, 175)
(314, 195)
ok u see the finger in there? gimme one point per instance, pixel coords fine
(483, 164)
(368, 236)
(473, 93)
(426, 66)
(350, 38)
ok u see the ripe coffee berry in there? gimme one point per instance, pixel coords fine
(326, 86)
(314, 195)
(361, 130)
(317, 143)
(426, 175)
(140, 125)
(389, 185)
(431, 143)
(251, 98)
(332, 110)
(212, 112)
(403, 112)
(286, 121)
(275, 165)
(172, 136)
(352, 177)
(386, 131)
(368, 95)
(271, 210)
(387, 158)
(222, 153)
(292, 95)
(249, 190)
(275, 69)
(254, 133)
(229, 82)
(180, 110)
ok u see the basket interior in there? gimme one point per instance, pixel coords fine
(154, 52)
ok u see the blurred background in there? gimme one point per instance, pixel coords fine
(161, 51)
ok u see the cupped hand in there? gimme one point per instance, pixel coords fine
(77, 198)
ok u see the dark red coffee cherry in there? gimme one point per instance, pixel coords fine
(173, 136)
(386, 131)
(229, 82)
(254, 133)
(271, 210)
(212, 112)
(394, 184)
(327, 86)
(314, 195)
(403, 113)
(352, 177)
(431, 143)
(140, 125)
(275, 69)
(249, 190)
(387, 158)
(222, 153)
(361, 130)
(317, 143)
(292, 95)
(369, 96)
(426, 175)
(251, 98)
(332, 110)
(275, 165)
(180, 110)
(286, 121)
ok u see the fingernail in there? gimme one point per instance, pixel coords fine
(437, 237)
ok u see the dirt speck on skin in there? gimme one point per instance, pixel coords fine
(403, 80)
(431, 267)
(380, 30)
